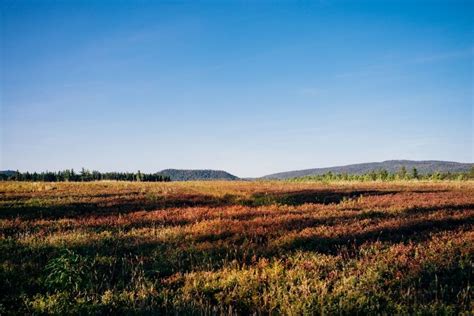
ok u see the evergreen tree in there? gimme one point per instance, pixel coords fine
(383, 175)
(403, 172)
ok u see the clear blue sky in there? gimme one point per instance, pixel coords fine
(248, 87)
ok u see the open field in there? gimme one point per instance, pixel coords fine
(237, 247)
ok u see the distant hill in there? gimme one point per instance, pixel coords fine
(198, 174)
(7, 173)
(423, 167)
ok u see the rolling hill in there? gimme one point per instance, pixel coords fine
(7, 173)
(423, 167)
(197, 174)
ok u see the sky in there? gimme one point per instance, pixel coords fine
(251, 87)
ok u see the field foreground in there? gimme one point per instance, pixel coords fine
(237, 247)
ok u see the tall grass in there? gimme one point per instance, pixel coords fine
(236, 248)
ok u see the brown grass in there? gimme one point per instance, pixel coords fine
(237, 247)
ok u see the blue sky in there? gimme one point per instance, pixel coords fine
(248, 87)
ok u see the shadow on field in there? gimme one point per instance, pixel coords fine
(296, 198)
(309, 196)
(166, 257)
(121, 204)
(413, 223)
(417, 230)
(448, 207)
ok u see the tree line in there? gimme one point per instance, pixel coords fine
(83, 176)
(384, 175)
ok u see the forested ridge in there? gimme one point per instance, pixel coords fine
(83, 176)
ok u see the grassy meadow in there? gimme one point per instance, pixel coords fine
(237, 247)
